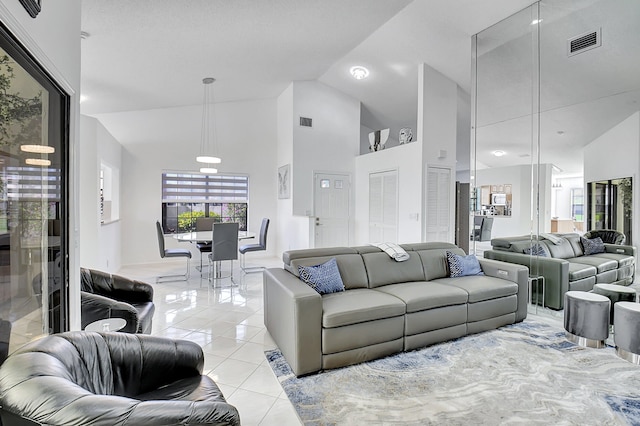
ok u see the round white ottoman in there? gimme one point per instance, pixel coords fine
(586, 318)
(627, 337)
(615, 293)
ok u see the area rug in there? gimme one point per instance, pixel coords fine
(523, 374)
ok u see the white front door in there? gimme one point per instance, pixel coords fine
(331, 206)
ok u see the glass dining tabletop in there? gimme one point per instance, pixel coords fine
(206, 236)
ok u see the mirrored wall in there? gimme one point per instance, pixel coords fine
(555, 105)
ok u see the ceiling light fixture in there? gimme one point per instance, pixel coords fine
(38, 149)
(359, 72)
(498, 153)
(536, 21)
(37, 162)
(208, 147)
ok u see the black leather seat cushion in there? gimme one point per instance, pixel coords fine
(111, 378)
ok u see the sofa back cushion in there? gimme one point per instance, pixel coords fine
(434, 261)
(383, 270)
(350, 264)
(563, 250)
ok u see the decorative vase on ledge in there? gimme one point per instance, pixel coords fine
(405, 135)
(377, 139)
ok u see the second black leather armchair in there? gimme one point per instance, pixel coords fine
(111, 296)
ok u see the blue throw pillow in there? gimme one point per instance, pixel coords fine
(324, 278)
(536, 250)
(460, 266)
(592, 246)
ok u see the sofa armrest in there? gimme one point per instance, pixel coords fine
(293, 317)
(95, 307)
(131, 291)
(554, 271)
(516, 273)
(620, 249)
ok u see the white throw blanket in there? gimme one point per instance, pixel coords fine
(394, 251)
(554, 239)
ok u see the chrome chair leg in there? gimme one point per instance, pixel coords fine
(170, 278)
(250, 269)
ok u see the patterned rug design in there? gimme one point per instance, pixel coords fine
(522, 374)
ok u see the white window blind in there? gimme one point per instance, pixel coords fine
(197, 187)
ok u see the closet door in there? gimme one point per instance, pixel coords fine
(383, 206)
(438, 205)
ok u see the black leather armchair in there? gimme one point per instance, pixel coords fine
(610, 236)
(111, 296)
(106, 379)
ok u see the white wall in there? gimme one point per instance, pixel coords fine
(437, 129)
(292, 232)
(98, 146)
(53, 38)
(407, 159)
(329, 146)
(157, 140)
(601, 163)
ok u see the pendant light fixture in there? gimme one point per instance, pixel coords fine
(208, 147)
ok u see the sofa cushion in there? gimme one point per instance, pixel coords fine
(324, 278)
(462, 266)
(351, 267)
(435, 262)
(563, 250)
(421, 295)
(481, 288)
(359, 305)
(602, 264)
(622, 259)
(383, 270)
(579, 271)
(592, 246)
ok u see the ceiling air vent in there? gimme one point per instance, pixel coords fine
(584, 42)
(306, 122)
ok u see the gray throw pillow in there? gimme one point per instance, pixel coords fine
(460, 266)
(536, 250)
(592, 246)
(324, 278)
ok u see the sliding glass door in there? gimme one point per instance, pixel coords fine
(34, 122)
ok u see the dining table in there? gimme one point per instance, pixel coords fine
(205, 236)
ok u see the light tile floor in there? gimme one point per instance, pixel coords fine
(228, 323)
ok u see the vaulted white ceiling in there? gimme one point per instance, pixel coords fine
(145, 54)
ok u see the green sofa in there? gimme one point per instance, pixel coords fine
(564, 265)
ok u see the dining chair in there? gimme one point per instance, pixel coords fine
(261, 245)
(204, 224)
(224, 240)
(165, 252)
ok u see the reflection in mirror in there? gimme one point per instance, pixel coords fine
(557, 90)
(610, 205)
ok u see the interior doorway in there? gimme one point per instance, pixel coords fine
(331, 206)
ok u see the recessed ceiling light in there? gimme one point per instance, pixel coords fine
(536, 21)
(498, 153)
(358, 72)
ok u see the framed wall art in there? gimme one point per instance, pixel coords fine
(284, 181)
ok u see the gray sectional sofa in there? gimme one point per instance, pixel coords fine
(565, 266)
(387, 307)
